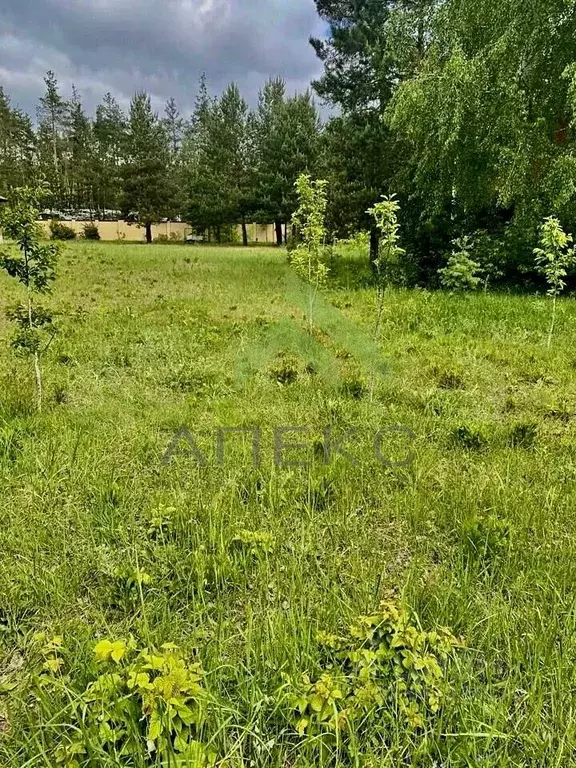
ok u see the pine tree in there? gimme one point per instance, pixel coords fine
(199, 156)
(230, 160)
(147, 186)
(17, 146)
(371, 47)
(174, 125)
(287, 140)
(109, 131)
(52, 115)
(80, 155)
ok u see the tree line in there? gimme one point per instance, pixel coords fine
(221, 166)
(463, 109)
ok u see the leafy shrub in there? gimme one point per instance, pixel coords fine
(60, 231)
(308, 259)
(161, 238)
(142, 707)
(489, 253)
(160, 521)
(461, 272)
(553, 260)
(90, 231)
(383, 670)
(388, 265)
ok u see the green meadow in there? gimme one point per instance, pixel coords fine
(462, 559)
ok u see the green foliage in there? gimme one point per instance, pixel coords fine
(90, 231)
(309, 257)
(555, 256)
(218, 159)
(32, 265)
(461, 272)
(487, 537)
(81, 490)
(141, 705)
(60, 231)
(147, 186)
(17, 137)
(255, 543)
(160, 521)
(523, 435)
(387, 262)
(286, 144)
(384, 669)
(470, 437)
(485, 120)
(385, 214)
(553, 260)
(108, 135)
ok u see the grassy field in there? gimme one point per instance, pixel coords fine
(242, 567)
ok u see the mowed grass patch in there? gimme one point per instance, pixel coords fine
(242, 566)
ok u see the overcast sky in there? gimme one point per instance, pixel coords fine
(160, 46)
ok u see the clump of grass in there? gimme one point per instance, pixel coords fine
(471, 437)
(523, 435)
(285, 370)
(450, 379)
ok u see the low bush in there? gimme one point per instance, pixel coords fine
(385, 670)
(91, 231)
(60, 231)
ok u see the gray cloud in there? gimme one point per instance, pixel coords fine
(160, 46)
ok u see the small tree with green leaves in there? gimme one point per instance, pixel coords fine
(488, 254)
(32, 263)
(553, 260)
(461, 271)
(308, 256)
(385, 214)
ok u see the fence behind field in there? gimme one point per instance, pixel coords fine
(170, 230)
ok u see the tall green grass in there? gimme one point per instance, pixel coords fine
(477, 534)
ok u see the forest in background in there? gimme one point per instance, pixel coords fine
(464, 109)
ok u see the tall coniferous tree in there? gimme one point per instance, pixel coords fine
(109, 131)
(174, 125)
(147, 186)
(287, 142)
(231, 162)
(53, 112)
(370, 48)
(80, 155)
(17, 146)
(198, 155)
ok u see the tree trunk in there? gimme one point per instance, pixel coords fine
(374, 243)
(244, 232)
(148, 227)
(218, 234)
(285, 233)
(278, 226)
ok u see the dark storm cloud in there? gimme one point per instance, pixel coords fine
(160, 46)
